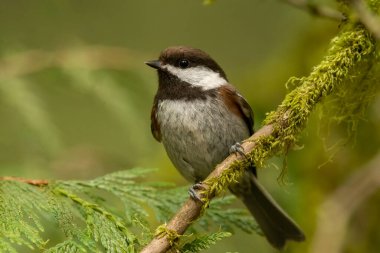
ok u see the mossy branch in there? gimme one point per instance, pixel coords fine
(350, 52)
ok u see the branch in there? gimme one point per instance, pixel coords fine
(35, 182)
(368, 18)
(346, 53)
(192, 209)
(317, 10)
(342, 204)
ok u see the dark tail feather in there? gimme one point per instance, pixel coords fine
(276, 225)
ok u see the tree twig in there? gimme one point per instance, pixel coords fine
(192, 209)
(316, 10)
(340, 206)
(35, 182)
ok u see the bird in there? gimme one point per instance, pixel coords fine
(201, 118)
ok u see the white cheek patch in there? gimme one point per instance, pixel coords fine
(198, 76)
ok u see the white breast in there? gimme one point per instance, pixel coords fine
(197, 134)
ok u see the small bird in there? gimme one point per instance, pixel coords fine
(200, 118)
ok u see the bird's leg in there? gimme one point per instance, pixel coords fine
(237, 148)
(193, 191)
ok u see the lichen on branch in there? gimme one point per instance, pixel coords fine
(350, 52)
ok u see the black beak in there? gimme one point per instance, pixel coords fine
(156, 64)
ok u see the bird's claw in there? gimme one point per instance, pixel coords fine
(237, 148)
(193, 191)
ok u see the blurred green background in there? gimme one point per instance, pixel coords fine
(75, 96)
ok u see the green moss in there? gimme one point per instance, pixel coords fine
(350, 53)
(171, 235)
(374, 5)
(217, 185)
(351, 56)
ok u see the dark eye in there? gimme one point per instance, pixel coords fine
(184, 63)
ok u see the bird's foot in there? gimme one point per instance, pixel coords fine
(193, 191)
(237, 148)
